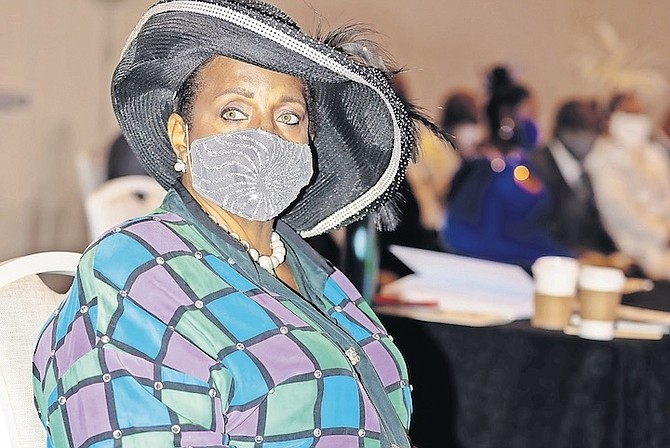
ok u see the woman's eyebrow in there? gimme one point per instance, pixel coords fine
(292, 99)
(239, 91)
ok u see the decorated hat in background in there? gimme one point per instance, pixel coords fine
(364, 134)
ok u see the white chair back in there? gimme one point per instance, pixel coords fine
(119, 199)
(25, 305)
(91, 173)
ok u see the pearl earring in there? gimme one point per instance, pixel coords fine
(180, 166)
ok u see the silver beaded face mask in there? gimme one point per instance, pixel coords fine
(251, 173)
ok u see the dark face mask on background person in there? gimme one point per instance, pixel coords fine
(526, 133)
(579, 143)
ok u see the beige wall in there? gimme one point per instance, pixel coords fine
(60, 54)
(447, 44)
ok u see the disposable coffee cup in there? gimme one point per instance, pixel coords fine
(555, 280)
(599, 292)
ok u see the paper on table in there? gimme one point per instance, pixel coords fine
(459, 283)
(434, 314)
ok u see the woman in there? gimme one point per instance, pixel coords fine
(497, 209)
(630, 173)
(210, 322)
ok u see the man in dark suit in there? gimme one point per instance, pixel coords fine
(575, 219)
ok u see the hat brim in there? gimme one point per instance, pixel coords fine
(363, 137)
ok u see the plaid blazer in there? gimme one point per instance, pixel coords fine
(172, 336)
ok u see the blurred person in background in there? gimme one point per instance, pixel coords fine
(497, 209)
(630, 174)
(575, 220)
(424, 191)
(510, 111)
(429, 177)
(461, 118)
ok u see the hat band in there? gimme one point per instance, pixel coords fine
(303, 49)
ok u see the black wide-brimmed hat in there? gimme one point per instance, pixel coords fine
(364, 134)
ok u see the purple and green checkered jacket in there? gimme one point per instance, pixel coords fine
(171, 336)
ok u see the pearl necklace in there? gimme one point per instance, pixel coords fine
(267, 262)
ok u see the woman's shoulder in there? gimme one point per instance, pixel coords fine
(140, 239)
(148, 228)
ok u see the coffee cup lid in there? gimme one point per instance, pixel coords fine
(600, 278)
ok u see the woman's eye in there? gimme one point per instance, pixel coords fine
(232, 114)
(289, 118)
